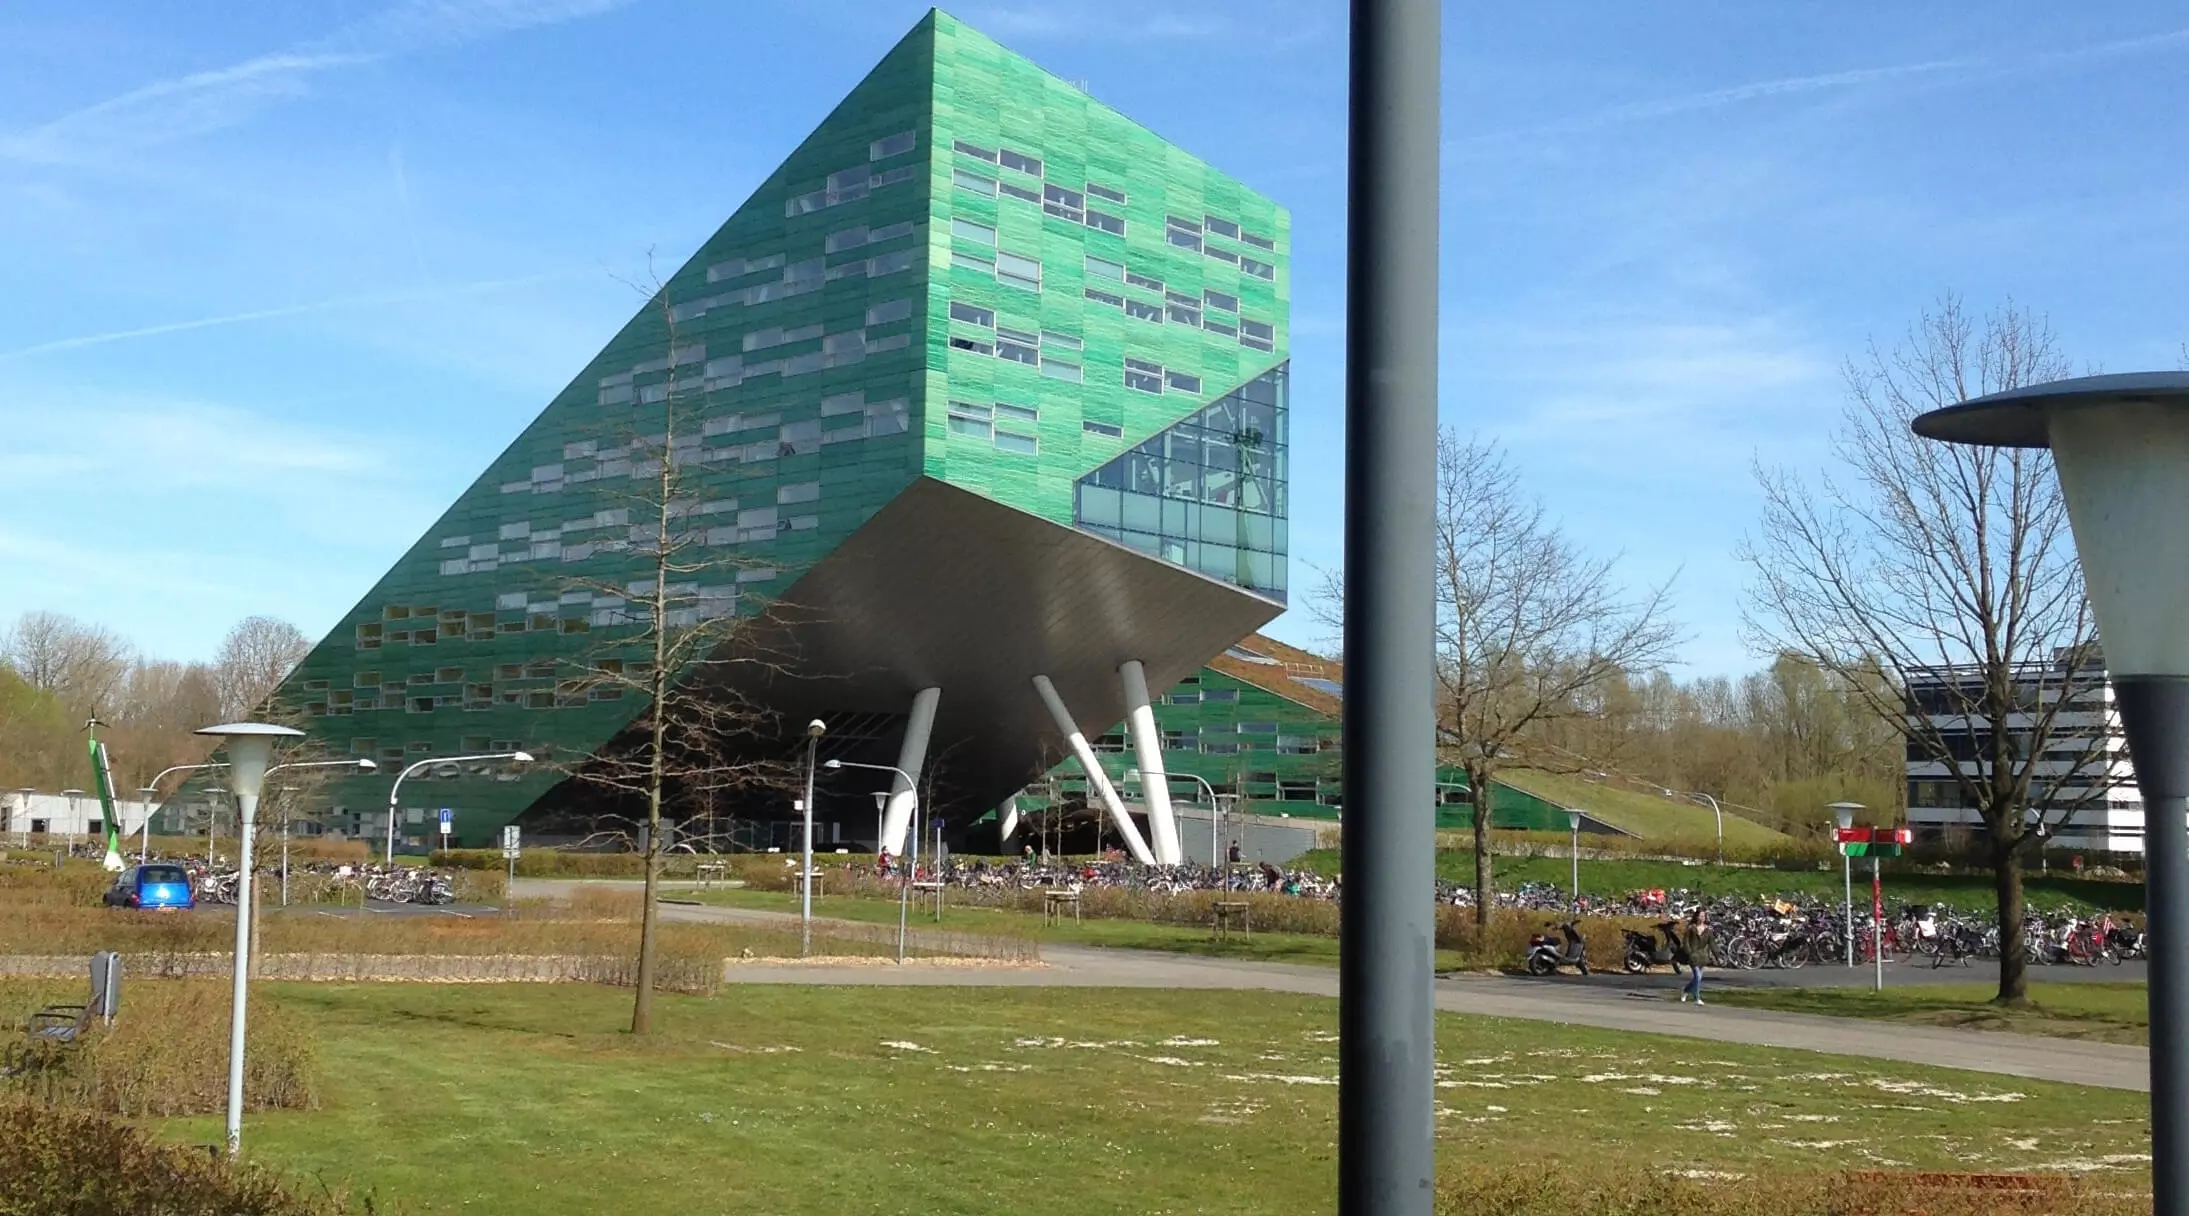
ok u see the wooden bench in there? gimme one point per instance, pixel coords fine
(1053, 904)
(814, 876)
(1234, 915)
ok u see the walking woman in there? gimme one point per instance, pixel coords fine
(1693, 945)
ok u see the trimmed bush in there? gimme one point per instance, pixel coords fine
(166, 1054)
(64, 1162)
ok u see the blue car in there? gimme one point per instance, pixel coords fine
(158, 885)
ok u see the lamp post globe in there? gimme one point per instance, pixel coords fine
(1844, 814)
(2120, 444)
(250, 748)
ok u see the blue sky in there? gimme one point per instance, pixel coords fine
(373, 237)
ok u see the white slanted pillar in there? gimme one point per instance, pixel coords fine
(1097, 780)
(919, 724)
(1009, 816)
(1148, 750)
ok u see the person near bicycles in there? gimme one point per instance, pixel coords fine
(1689, 947)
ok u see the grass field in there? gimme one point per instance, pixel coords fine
(1664, 819)
(2109, 1013)
(818, 1100)
(1613, 879)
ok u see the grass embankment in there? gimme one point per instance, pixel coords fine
(1616, 879)
(1067, 1101)
(2101, 1012)
(1660, 820)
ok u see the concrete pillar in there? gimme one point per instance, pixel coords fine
(1010, 818)
(1148, 751)
(919, 724)
(1098, 782)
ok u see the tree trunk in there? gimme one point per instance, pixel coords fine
(2006, 868)
(1478, 792)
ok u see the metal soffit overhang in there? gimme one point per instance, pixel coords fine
(947, 588)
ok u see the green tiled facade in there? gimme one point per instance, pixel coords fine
(963, 274)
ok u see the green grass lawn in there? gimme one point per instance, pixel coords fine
(1664, 819)
(1116, 934)
(2110, 1013)
(1613, 879)
(788, 1100)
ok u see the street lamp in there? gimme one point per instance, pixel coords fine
(1573, 820)
(72, 796)
(814, 730)
(1844, 813)
(363, 764)
(250, 747)
(2120, 444)
(1718, 814)
(1132, 777)
(153, 787)
(904, 878)
(519, 757)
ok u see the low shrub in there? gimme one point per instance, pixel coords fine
(166, 1053)
(71, 1162)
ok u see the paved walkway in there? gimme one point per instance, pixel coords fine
(2108, 1065)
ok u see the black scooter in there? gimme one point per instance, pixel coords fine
(1546, 954)
(1646, 950)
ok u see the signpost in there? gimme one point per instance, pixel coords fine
(1874, 843)
(448, 825)
(509, 854)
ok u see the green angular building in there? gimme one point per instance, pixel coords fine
(990, 398)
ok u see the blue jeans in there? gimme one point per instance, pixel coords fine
(1694, 985)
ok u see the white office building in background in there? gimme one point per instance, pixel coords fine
(2084, 772)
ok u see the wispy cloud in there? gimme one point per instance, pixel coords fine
(80, 341)
(1159, 23)
(197, 103)
(63, 437)
(1824, 82)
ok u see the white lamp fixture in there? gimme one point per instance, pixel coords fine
(250, 748)
(1844, 813)
(814, 730)
(2120, 444)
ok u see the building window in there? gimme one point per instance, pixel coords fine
(1260, 270)
(1014, 270)
(973, 150)
(1141, 280)
(972, 314)
(1023, 445)
(1103, 269)
(1142, 375)
(1218, 300)
(967, 418)
(1104, 192)
(966, 179)
(1221, 227)
(1018, 346)
(891, 145)
(971, 231)
(1141, 310)
(1103, 297)
(1103, 429)
(1183, 382)
(1259, 242)
(1019, 161)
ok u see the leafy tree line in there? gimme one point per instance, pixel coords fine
(57, 672)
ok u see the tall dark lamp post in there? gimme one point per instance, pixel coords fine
(2121, 446)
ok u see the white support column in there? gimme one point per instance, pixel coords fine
(919, 724)
(1148, 751)
(1097, 780)
(1010, 818)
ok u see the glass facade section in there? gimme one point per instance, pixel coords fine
(1207, 493)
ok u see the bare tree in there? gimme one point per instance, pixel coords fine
(82, 664)
(674, 631)
(1531, 632)
(1949, 568)
(255, 657)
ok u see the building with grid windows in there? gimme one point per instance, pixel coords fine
(989, 394)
